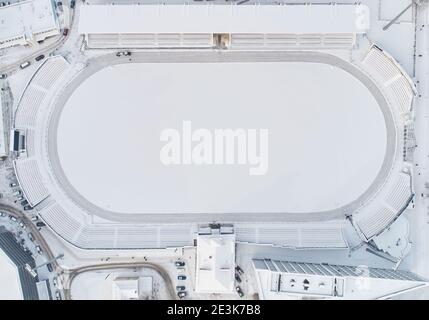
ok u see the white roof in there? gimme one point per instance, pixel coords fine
(125, 288)
(10, 288)
(97, 19)
(26, 18)
(215, 263)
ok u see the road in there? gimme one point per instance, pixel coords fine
(35, 231)
(72, 273)
(46, 50)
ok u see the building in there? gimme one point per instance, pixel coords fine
(299, 280)
(125, 288)
(197, 26)
(26, 22)
(20, 258)
(215, 262)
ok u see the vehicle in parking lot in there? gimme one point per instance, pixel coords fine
(239, 270)
(180, 288)
(13, 184)
(179, 263)
(3, 76)
(28, 207)
(39, 250)
(72, 4)
(11, 217)
(38, 58)
(181, 277)
(57, 295)
(181, 294)
(239, 291)
(2, 214)
(50, 268)
(35, 218)
(30, 236)
(40, 224)
(17, 193)
(20, 198)
(65, 32)
(24, 203)
(237, 278)
(24, 65)
(22, 225)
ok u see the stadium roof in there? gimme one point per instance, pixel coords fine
(21, 20)
(95, 19)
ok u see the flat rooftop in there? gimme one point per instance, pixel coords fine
(26, 18)
(223, 19)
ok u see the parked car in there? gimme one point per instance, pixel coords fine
(72, 4)
(30, 236)
(239, 270)
(35, 218)
(179, 263)
(3, 76)
(17, 193)
(50, 268)
(22, 225)
(3, 214)
(181, 277)
(181, 294)
(39, 250)
(24, 65)
(65, 32)
(57, 295)
(239, 291)
(40, 224)
(13, 184)
(180, 288)
(24, 203)
(12, 218)
(28, 207)
(38, 58)
(237, 278)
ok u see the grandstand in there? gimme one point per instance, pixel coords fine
(86, 225)
(197, 26)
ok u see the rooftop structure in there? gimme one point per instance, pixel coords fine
(27, 22)
(286, 279)
(195, 25)
(125, 288)
(215, 263)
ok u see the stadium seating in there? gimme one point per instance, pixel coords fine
(61, 221)
(294, 235)
(289, 41)
(30, 180)
(373, 220)
(150, 40)
(35, 92)
(397, 84)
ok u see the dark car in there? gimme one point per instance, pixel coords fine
(237, 278)
(179, 263)
(3, 76)
(72, 4)
(180, 288)
(40, 57)
(239, 270)
(40, 224)
(50, 268)
(24, 203)
(181, 277)
(65, 32)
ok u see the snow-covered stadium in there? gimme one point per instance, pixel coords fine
(338, 107)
